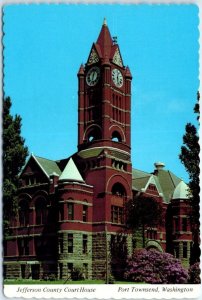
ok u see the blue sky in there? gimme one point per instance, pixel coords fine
(45, 45)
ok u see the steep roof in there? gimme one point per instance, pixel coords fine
(138, 173)
(165, 181)
(105, 41)
(168, 182)
(71, 173)
(49, 166)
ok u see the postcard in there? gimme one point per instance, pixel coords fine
(101, 150)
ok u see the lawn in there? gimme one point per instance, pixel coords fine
(27, 281)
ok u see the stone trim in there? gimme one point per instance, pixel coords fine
(76, 201)
(75, 231)
(107, 147)
(121, 109)
(109, 167)
(80, 183)
(28, 235)
(117, 91)
(74, 221)
(83, 192)
(179, 241)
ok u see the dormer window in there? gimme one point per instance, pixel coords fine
(30, 180)
(152, 187)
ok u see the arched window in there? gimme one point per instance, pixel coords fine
(118, 190)
(41, 211)
(23, 213)
(94, 134)
(116, 137)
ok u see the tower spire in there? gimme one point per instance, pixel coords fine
(105, 41)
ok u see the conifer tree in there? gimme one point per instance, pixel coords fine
(14, 156)
(189, 156)
(143, 212)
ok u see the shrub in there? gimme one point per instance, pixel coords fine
(77, 274)
(155, 267)
(52, 277)
(111, 279)
(194, 273)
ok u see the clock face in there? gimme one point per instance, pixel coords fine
(117, 77)
(93, 76)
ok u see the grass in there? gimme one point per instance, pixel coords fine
(31, 281)
(27, 281)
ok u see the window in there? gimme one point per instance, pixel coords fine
(85, 270)
(23, 213)
(85, 243)
(70, 243)
(70, 267)
(85, 213)
(60, 243)
(22, 271)
(5, 248)
(116, 137)
(152, 234)
(152, 187)
(118, 190)
(117, 214)
(70, 208)
(61, 212)
(176, 224)
(30, 180)
(184, 249)
(4, 271)
(23, 247)
(61, 270)
(177, 250)
(38, 245)
(184, 224)
(35, 271)
(41, 212)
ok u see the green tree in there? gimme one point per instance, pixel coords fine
(189, 156)
(14, 156)
(142, 212)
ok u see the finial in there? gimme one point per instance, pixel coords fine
(105, 22)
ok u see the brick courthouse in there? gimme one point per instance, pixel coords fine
(71, 211)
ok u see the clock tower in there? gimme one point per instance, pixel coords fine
(104, 96)
(104, 145)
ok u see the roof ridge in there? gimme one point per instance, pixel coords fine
(44, 158)
(141, 177)
(171, 173)
(139, 170)
(142, 171)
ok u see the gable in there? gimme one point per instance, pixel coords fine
(153, 187)
(32, 173)
(117, 58)
(93, 57)
(38, 170)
